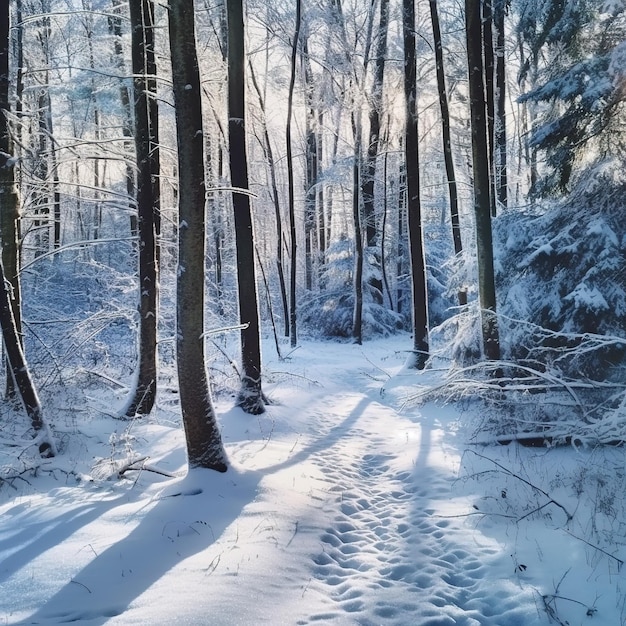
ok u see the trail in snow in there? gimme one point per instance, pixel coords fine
(339, 509)
(389, 554)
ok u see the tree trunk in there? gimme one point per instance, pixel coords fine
(292, 208)
(357, 321)
(500, 95)
(402, 220)
(10, 212)
(321, 211)
(388, 188)
(9, 220)
(311, 171)
(250, 397)
(482, 186)
(489, 69)
(414, 209)
(143, 392)
(369, 173)
(269, 153)
(204, 444)
(96, 217)
(447, 140)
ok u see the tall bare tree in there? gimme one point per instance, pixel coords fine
(414, 210)
(250, 397)
(9, 225)
(482, 183)
(446, 136)
(143, 392)
(292, 209)
(204, 443)
(369, 166)
(500, 141)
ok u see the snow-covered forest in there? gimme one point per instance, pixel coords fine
(313, 311)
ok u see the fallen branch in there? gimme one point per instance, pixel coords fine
(132, 467)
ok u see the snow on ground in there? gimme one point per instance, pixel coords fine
(342, 506)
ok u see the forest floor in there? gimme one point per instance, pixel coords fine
(345, 504)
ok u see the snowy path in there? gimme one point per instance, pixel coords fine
(391, 553)
(338, 510)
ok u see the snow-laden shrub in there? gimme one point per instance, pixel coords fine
(330, 313)
(563, 271)
(445, 274)
(78, 313)
(562, 319)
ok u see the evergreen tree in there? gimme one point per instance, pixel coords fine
(575, 53)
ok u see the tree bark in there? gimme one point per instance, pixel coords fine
(292, 209)
(482, 183)
(271, 163)
(447, 140)
(369, 169)
(357, 321)
(143, 392)
(250, 397)
(204, 443)
(9, 221)
(414, 209)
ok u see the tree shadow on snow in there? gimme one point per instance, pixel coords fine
(188, 517)
(38, 537)
(325, 440)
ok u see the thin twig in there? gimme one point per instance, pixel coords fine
(506, 470)
(81, 584)
(130, 467)
(619, 561)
